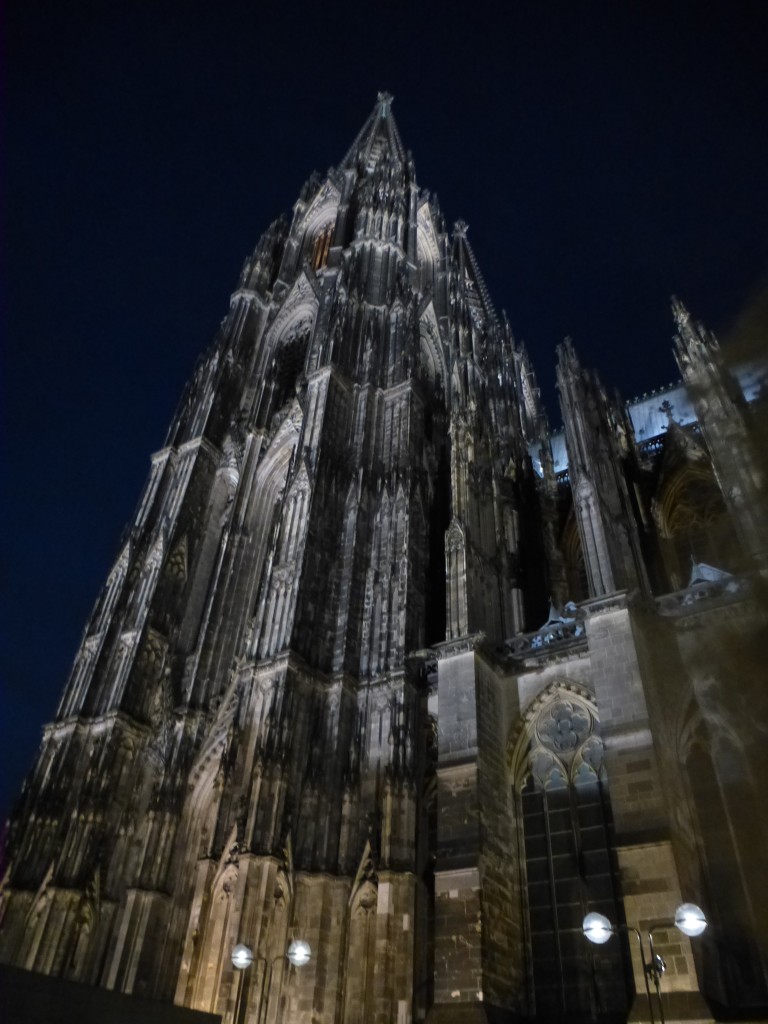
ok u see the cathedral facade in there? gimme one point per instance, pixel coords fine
(386, 666)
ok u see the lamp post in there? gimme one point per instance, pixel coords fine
(297, 954)
(689, 919)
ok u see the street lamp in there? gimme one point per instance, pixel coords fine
(597, 928)
(242, 956)
(689, 919)
(298, 954)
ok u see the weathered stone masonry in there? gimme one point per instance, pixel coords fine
(386, 665)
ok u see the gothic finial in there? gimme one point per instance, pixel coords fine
(460, 229)
(691, 340)
(385, 100)
(566, 353)
(680, 313)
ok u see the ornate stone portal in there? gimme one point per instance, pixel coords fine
(316, 699)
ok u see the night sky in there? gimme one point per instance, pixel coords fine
(605, 156)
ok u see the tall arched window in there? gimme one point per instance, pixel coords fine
(570, 865)
(321, 246)
(695, 525)
(575, 569)
(287, 365)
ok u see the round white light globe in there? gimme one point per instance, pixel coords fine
(299, 953)
(242, 956)
(690, 919)
(597, 928)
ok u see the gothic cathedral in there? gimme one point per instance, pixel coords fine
(387, 666)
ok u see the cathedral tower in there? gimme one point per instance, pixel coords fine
(240, 749)
(320, 695)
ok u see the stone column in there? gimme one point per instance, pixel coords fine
(474, 963)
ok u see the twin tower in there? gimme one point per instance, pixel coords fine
(376, 646)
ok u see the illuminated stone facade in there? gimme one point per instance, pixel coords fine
(385, 665)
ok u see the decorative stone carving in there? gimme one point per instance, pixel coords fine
(360, 469)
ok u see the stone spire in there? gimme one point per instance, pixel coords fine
(330, 499)
(594, 428)
(377, 138)
(725, 425)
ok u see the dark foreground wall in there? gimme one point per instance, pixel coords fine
(30, 998)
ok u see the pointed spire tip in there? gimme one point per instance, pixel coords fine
(679, 311)
(385, 100)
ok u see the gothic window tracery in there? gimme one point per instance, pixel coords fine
(570, 866)
(694, 524)
(176, 567)
(432, 367)
(575, 567)
(287, 365)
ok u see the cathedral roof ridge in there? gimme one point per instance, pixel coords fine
(663, 389)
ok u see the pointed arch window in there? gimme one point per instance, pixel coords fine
(570, 867)
(695, 524)
(287, 366)
(321, 246)
(575, 567)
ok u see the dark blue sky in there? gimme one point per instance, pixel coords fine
(605, 155)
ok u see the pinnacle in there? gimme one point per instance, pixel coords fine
(679, 312)
(378, 135)
(470, 267)
(566, 354)
(385, 100)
